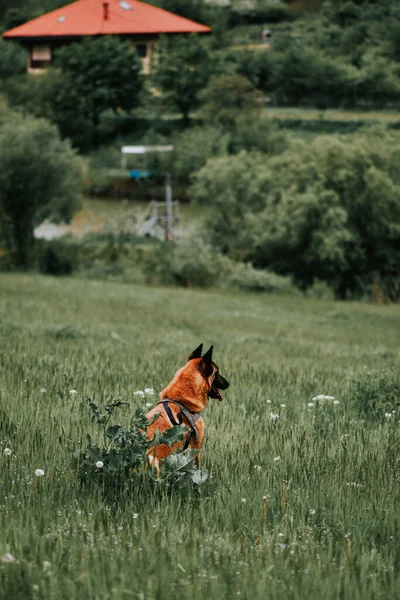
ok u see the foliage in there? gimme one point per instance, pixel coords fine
(54, 96)
(105, 73)
(259, 11)
(195, 146)
(121, 460)
(329, 210)
(182, 68)
(188, 262)
(259, 133)
(227, 97)
(57, 257)
(258, 67)
(245, 277)
(39, 179)
(12, 59)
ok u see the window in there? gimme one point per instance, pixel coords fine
(141, 50)
(41, 53)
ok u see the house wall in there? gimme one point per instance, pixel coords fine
(41, 53)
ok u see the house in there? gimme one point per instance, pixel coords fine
(131, 19)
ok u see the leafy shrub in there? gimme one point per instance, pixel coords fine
(12, 59)
(188, 262)
(261, 134)
(377, 395)
(195, 146)
(321, 290)
(120, 460)
(57, 257)
(244, 276)
(196, 264)
(226, 97)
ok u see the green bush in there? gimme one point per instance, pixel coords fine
(57, 257)
(12, 59)
(192, 262)
(245, 277)
(188, 262)
(261, 134)
(227, 97)
(195, 146)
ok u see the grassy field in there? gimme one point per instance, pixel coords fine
(303, 501)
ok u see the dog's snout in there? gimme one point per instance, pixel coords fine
(221, 382)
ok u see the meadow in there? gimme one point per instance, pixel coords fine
(303, 496)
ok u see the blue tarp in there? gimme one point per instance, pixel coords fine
(137, 174)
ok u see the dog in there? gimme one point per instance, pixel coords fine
(181, 403)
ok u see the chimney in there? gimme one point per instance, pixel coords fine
(105, 11)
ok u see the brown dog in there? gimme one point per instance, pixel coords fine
(181, 402)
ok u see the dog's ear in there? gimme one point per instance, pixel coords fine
(208, 355)
(196, 353)
(205, 365)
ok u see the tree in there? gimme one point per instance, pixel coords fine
(12, 59)
(227, 97)
(182, 69)
(328, 210)
(39, 179)
(105, 72)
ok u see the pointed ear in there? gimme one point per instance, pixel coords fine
(205, 365)
(196, 353)
(208, 355)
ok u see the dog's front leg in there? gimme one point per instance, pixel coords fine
(197, 460)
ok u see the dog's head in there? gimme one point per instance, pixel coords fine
(213, 380)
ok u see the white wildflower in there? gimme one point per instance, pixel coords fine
(149, 391)
(148, 404)
(257, 468)
(388, 415)
(268, 401)
(43, 390)
(283, 405)
(244, 500)
(39, 472)
(99, 464)
(276, 459)
(336, 402)
(7, 451)
(139, 393)
(135, 515)
(273, 417)
(7, 558)
(46, 564)
(73, 392)
(310, 405)
(312, 511)
(323, 398)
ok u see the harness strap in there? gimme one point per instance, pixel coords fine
(191, 417)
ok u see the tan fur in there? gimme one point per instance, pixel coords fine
(191, 389)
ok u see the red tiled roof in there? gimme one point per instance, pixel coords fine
(87, 17)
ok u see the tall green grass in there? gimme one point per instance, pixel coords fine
(300, 505)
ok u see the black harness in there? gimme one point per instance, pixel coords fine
(190, 416)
